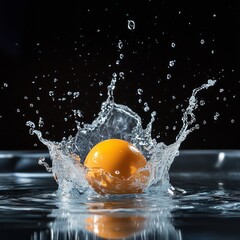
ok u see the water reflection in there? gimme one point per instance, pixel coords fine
(131, 218)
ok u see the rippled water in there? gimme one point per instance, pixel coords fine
(31, 208)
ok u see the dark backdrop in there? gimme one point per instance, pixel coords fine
(48, 50)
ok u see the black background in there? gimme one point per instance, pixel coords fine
(77, 44)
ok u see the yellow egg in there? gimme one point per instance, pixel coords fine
(113, 167)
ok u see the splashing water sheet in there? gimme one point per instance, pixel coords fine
(120, 122)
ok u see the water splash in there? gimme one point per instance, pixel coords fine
(117, 121)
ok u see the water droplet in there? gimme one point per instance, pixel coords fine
(216, 115)
(153, 114)
(221, 90)
(131, 25)
(232, 120)
(140, 91)
(100, 83)
(202, 102)
(169, 76)
(5, 85)
(120, 44)
(40, 122)
(18, 110)
(171, 63)
(121, 75)
(197, 126)
(202, 41)
(51, 93)
(173, 45)
(146, 107)
(77, 113)
(76, 94)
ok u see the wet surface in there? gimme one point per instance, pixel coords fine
(30, 207)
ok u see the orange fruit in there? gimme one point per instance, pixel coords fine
(113, 167)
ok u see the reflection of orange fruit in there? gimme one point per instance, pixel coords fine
(113, 167)
(114, 227)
